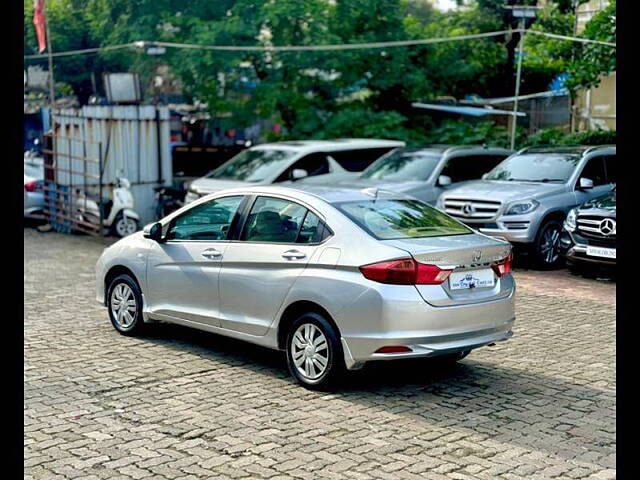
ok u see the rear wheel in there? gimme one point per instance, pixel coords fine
(314, 352)
(124, 226)
(546, 246)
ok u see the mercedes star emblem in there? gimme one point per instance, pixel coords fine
(608, 226)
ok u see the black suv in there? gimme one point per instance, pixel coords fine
(589, 235)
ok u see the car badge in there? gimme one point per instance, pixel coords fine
(608, 227)
(468, 209)
(477, 255)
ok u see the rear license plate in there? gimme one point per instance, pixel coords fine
(601, 252)
(471, 279)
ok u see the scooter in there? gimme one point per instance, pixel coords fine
(169, 199)
(118, 215)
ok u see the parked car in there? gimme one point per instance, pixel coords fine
(526, 198)
(33, 185)
(589, 235)
(282, 161)
(423, 173)
(336, 277)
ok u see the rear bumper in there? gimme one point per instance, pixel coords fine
(430, 331)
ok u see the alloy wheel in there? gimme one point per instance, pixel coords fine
(549, 245)
(310, 351)
(123, 306)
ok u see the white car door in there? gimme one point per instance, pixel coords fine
(183, 269)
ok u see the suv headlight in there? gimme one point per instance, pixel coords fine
(440, 203)
(522, 207)
(570, 221)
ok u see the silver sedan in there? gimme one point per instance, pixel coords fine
(333, 277)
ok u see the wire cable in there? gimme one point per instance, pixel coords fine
(305, 48)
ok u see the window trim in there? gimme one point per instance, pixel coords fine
(251, 202)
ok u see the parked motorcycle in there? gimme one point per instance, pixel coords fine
(118, 215)
(169, 199)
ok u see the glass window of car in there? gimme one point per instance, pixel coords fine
(207, 221)
(403, 165)
(253, 165)
(273, 220)
(313, 230)
(313, 164)
(470, 167)
(610, 166)
(359, 159)
(594, 170)
(396, 219)
(536, 167)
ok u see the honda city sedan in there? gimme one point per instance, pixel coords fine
(333, 277)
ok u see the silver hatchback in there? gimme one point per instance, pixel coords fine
(334, 277)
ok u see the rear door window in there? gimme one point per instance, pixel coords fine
(273, 220)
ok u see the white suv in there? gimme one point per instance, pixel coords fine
(282, 161)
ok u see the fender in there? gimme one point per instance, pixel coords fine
(127, 212)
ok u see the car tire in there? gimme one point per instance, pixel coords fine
(545, 248)
(126, 318)
(314, 352)
(124, 227)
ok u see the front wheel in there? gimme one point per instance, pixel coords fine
(124, 302)
(546, 246)
(124, 226)
(314, 352)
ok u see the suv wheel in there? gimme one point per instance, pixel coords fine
(314, 352)
(546, 246)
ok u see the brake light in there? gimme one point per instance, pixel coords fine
(33, 186)
(405, 271)
(503, 266)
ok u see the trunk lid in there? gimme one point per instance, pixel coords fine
(471, 254)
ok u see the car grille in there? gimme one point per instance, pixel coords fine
(464, 208)
(591, 226)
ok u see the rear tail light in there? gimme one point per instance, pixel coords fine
(33, 186)
(405, 271)
(503, 266)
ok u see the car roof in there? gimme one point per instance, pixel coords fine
(304, 192)
(449, 149)
(577, 150)
(308, 146)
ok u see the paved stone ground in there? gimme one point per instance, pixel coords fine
(182, 404)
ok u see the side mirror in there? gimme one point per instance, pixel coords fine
(484, 176)
(585, 183)
(153, 231)
(444, 181)
(298, 173)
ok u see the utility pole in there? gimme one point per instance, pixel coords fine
(521, 13)
(49, 53)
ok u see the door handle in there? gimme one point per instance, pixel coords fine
(211, 253)
(293, 255)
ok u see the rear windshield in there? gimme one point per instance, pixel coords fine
(395, 219)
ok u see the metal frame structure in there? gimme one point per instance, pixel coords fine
(64, 197)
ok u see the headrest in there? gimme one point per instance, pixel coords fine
(269, 222)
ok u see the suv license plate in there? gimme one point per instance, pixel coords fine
(471, 279)
(601, 252)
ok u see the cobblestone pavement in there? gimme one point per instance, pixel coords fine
(183, 404)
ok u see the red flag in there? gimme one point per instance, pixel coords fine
(38, 21)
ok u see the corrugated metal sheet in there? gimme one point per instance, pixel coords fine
(126, 138)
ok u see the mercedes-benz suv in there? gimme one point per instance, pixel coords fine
(525, 198)
(589, 235)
